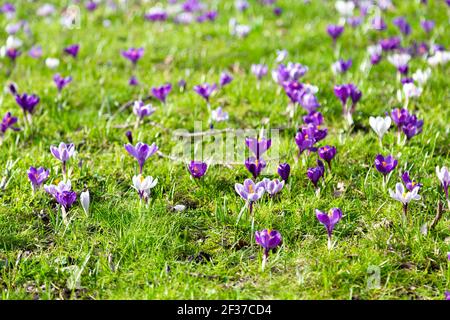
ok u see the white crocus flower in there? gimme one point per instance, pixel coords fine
(421, 77)
(13, 43)
(404, 196)
(411, 90)
(52, 63)
(85, 200)
(380, 125)
(399, 60)
(281, 55)
(443, 175)
(345, 8)
(143, 185)
(440, 57)
(219, 115)
(375, 50)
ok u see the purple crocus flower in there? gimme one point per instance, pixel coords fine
(273, 186)
(390, 44)
(402, 25)
(197, 168)
(447, 293)
(225, 78)
(345, 91)
(309, 102)
(133, 81)
(72, 50)
(27, 102)
(342, 93)
(141, 152)
(385, 165)
(329, 220)
(295, 70)
(133, 54)
(258, 146)
(284, 169)
(205, 90)
(305, 139)
(37, 177)
(63, 153)
(91, 5)
(341, 66)
(61, 82)
(13, 53)
(8, 122)
(427, 25)
(156, 14)
(327, 153)
(259, 70)
(410, 184)
(378, 24)
(335, 31)
(354, 21)
(412, 127)
(182, 84)
(314, 174)
(35, 52)
(250, 191)
(400, 117)
(406, 80)
(315, 118)
(255, 166)
(142, 110)
(207, 16)
(277, 11)
(269, 240)
(66, 199)
(161, 92)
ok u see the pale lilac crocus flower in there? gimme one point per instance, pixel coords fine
(250, 191)
(274, 186)
(404, 196)
(63, 153)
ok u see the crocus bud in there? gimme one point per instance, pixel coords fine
(129, 136)
(12, 88)
(85, 201)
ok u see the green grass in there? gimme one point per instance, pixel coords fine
(132, 252)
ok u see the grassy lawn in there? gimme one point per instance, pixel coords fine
(124, 249)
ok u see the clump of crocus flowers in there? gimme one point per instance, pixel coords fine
(406, 123)
(329, 220)
(63, 195)
(268, 240)
(345, 93)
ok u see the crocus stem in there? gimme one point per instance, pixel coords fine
(384, 182)
(64, 168)
(330, 244)
(250, 207)
(64, 215)
(265, 258)
(399, 135)
(405, 210)
(381, 142)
